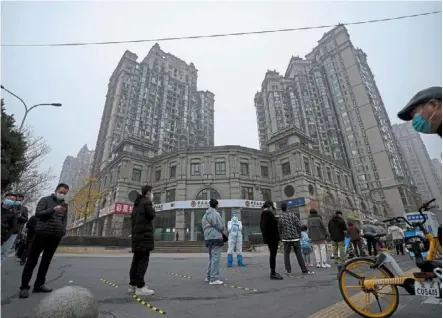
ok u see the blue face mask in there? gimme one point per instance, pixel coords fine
(422, 125)
(8, 202)
(17, 203)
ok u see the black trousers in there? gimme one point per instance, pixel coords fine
(273, 248)
(42, 243)
(399, 247)
(372, 244)
(358, 248)
(139, 266)
(288, 246)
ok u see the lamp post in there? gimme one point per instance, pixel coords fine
(27, 110)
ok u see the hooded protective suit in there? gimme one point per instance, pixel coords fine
(235, 241)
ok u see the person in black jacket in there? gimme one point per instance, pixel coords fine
(9, 223)
(142, 241)
(51, 215)
(337, 231)
(271, 235)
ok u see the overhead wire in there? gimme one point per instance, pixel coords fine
(193, 37)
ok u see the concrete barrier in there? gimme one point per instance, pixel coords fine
(68, 302)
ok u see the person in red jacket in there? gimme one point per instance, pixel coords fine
(355, 238)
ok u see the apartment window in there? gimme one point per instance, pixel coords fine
(264, 171)
(247, 193)
(362, 177)
(170, 195)
(307, 165)
(328, 172)
(346, 182)
(137, 173)
(286, 168)
(157, 198)
(319, 174)
(195, 169)
(220, 168)
(244, 168)
(338, 178)
(158, 175)
(266, 194)
(172, 172)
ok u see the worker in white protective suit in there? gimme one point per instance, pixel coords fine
(235, 241)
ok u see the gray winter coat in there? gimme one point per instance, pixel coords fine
(50, 222)
(369, 230)
(317, 230)
(213, 227)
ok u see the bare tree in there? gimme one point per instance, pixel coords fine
(33, 182)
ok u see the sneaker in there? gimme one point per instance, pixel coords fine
(131, 289)
(206, 279)
(42, 289)
(144, 291)
(325, 265)
(308, 272)
(24, 293)
(288, 273)
(318, 265)
(216, 282)
(276, 276)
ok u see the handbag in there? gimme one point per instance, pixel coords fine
(225, 237)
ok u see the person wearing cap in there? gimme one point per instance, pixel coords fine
(424, 110)
(235, 241)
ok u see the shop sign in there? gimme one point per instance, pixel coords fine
(199, 204)
(254, 204)
(123, 208)
(291, 203)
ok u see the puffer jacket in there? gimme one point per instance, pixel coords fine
(213, 227)
(369, 230)
(50, 222)
(337, 228)
(22, 216)
(316, 228)
(142, 229)
(269, 227)
(290, 226)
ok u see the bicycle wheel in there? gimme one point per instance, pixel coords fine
(373, 298)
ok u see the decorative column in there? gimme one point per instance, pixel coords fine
(192, 229)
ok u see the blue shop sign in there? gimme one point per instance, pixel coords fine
(294, 202)
(416, 217)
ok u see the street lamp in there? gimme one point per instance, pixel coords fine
(27, 110)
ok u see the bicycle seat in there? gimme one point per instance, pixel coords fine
(429, 266)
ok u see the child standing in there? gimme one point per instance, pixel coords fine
(305, 245)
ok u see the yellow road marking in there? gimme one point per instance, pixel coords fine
(144, 303)
(341, 309)
(179, 275)
(243, 288)
(109, 283)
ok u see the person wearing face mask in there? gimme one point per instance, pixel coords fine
(22, 218)
(424, 110)
(9, 224)
(51, 217)
(235, 241)
(143, 214)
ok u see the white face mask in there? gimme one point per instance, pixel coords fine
(234, 218)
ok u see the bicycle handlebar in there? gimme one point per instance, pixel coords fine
(423, 207)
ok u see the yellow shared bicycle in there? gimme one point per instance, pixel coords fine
(374, 293)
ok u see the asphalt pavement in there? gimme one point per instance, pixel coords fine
(178, 280)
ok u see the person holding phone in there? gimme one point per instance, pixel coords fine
(51, 216)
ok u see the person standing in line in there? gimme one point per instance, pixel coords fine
(356, 241)
(369, 233)
(271, 236)
(318, 234)
(143, 213)
(235, 241)
(337, 230)
(213, 229)
(176, 236)
(51, 214)
(398, 237)
(290, 228)
(22, 218)
(29, 233)
(9, 224)
(305, 243)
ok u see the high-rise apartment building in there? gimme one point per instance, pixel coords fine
(332, 97)
(76, 169)
(155, 100)
(423, 170)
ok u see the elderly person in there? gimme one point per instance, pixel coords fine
(213, 228)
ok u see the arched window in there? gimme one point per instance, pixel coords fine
(207, 194)
(348, 203)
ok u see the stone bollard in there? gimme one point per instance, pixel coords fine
(68, 302)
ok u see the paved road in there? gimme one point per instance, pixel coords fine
(178, 296)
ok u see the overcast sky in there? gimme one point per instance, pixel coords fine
(404, 55)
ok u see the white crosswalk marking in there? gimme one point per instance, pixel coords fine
(431, 300)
